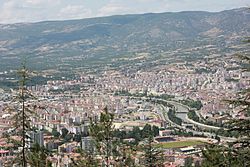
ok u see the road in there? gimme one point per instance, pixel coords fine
(164, 111)
(183, 110)
(183, 115)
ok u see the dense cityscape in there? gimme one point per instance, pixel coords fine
(64, 109)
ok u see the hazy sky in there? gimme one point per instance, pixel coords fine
(12, 11)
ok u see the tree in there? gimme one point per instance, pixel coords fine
(241, 147)
(155, 130)
(153, 156)
(22, 112)
(77, 137)
(136, 134)
(146, 131)
(26, 153)
(38, 156)
(235, 153)
(188, 162)
(217, 138)
(125, 156)
(102, 132)
(68, 137)
(220, 156)
(64, 132)
(55, 133)
(85, 159)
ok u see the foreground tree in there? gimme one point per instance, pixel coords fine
(102, 133)
(235, 153)
(153, 157)
(241, 147)
(188, 162)
(85, 159)
(125, 158)
(221, 156)
(38, 156)
(21, 111)
(110, 148)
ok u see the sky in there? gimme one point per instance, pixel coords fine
(15, 11)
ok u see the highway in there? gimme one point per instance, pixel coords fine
(181, 112)
(164, 111)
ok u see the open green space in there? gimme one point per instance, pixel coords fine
(179, 144)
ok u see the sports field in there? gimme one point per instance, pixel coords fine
(179, 144)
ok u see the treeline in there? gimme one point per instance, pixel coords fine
(192, 115)
(137, 134)
(172, 116)
(192, 103)
(184, 133)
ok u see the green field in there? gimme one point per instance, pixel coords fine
(179, 144)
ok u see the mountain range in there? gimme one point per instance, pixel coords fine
(123, 38)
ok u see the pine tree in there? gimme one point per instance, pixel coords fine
(38, 156)
(153, 156)
(221, 156)
(21, 118)
(235, 153)
(188, 162)
(102, 133)
(22, 111)
(241, 147)
(110, 148)
(86, 159)
(125, 158)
